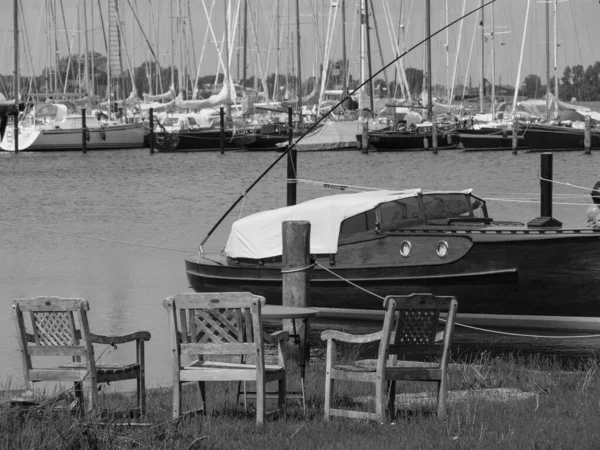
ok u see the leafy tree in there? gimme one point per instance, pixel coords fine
(532, 86)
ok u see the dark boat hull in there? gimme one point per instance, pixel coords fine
(541, 138)
(404, 141)
(193, 141)
(259, 142)
(518, 273)
(490, 139)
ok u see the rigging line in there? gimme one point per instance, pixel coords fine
(534, 201)
(338, 104)
(471, 327)
(568, 184)
(91, 238)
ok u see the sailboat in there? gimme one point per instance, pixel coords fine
(408, 134)
(557, 134)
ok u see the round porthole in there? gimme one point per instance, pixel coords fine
(405, 249)
(442, 249)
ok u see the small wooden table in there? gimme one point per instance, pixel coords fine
(293, 313)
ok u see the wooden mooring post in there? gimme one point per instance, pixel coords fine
(151, 131)
(545, 219)
(364, 142)
(15, 135)
(587, 136)
(434, 137)
(222, 135)
(83, 132)
(296, 273)
(515, 136)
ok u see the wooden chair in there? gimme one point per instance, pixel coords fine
(410, 334)
(60, 328)
(224, 324)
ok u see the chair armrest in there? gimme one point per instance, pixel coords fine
(350, 338)
(138, 336)
(276, 337)
(101, 339)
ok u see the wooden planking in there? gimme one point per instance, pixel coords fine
(215, 300)
(219, 349)
(52, 304)
(350, 338)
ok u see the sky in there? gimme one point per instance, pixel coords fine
(578, 35)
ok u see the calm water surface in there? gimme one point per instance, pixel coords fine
(113, 227)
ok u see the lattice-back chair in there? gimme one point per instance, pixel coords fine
(59, 327)
(420, 347)
(206, 325)
(411, 327)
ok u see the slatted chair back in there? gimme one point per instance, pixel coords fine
(59, 326)
(419, 329)
(217, 323)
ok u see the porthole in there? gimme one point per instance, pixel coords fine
(405, 249)
(442, 249)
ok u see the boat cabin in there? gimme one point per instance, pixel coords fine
(434, 209)
(346, 218)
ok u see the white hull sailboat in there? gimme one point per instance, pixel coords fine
(64, 132)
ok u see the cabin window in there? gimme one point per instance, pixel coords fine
(170, 122)
(478, 207)
(400, 213)
(440, 206)
(358, 224)
(192, 122)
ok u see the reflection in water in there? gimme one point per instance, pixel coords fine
(168, 202)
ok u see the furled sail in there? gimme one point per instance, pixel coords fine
(169, 95)
(225, 97)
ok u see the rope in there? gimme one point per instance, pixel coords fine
(485, 330)
(568, 184)
(301, 269)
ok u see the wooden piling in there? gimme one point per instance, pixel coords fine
(434, 139)
(222, 136)
(587, 136)
(151, 131)
(16, 127)
(545, 219)
(83, 132)
(515, 135)
(296, 272)
(292, 158)
(364, 144)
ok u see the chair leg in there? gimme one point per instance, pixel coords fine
(380, 400)
(281, 395)
(260, 402)
(93, 395)
(176, 399)
(441, 400)
(329, 383)
(391, 400)
(202, 395)
(141, 381)
(78, 391)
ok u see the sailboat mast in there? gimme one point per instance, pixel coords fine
(555, 50)
(547, 60)
(344, 55)
(299, 82)
(369, 56)
(85, 62)
(172, 48)
(482, 82)
(226, 66)
(244, 73)
(493, 24)
(16, 79)
(428, 33)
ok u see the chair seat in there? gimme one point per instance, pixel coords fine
(223, 371)
(107, 372)
(354, 368)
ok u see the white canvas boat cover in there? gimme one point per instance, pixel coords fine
(330, 136)
(259, 235)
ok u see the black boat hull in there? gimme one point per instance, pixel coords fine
(490, 139)
(193, 141)
(541, 138)
(544, 273)
(404, 141)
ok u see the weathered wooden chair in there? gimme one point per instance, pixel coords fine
(226, 325)
(59, 327)
(411, 333)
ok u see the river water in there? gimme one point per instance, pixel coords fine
(114, 227)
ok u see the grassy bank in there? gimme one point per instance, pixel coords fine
(561, 410)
